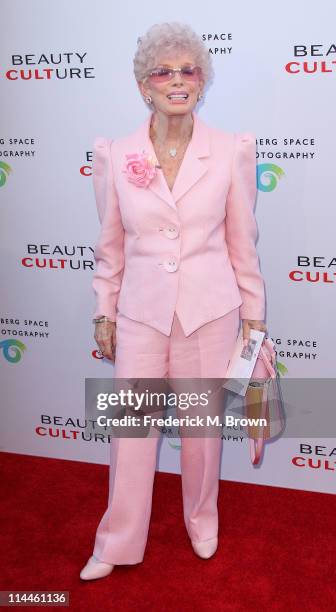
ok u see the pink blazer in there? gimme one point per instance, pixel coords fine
(190, 250)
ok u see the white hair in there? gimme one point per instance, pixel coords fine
(165, 39)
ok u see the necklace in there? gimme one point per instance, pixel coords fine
(173, 150)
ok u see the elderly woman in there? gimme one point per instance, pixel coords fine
(177, 270)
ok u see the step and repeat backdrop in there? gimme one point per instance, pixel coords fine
(67, 77)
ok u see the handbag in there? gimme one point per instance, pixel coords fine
(264, 400)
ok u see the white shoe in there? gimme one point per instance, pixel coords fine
(205, 549)
(95, 569)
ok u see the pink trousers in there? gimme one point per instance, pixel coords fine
(144, 352)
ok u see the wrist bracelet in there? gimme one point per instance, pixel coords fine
(102, 320)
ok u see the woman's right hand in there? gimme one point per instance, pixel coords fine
(105, 336)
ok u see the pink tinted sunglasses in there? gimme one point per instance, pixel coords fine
(161, 74)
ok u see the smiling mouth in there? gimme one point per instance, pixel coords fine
(178, 96)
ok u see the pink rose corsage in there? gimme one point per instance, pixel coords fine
(140, 168)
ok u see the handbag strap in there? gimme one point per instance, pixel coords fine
(267, 348)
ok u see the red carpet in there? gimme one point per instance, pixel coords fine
(276, 548)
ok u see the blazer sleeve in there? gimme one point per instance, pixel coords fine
(241, 227)
(109, 249)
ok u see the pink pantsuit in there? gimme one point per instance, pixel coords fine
(176, 270)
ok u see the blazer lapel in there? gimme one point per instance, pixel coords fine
(191, 169)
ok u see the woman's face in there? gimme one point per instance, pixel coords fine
(162, 92)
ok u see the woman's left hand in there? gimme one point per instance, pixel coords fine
(249, 324)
